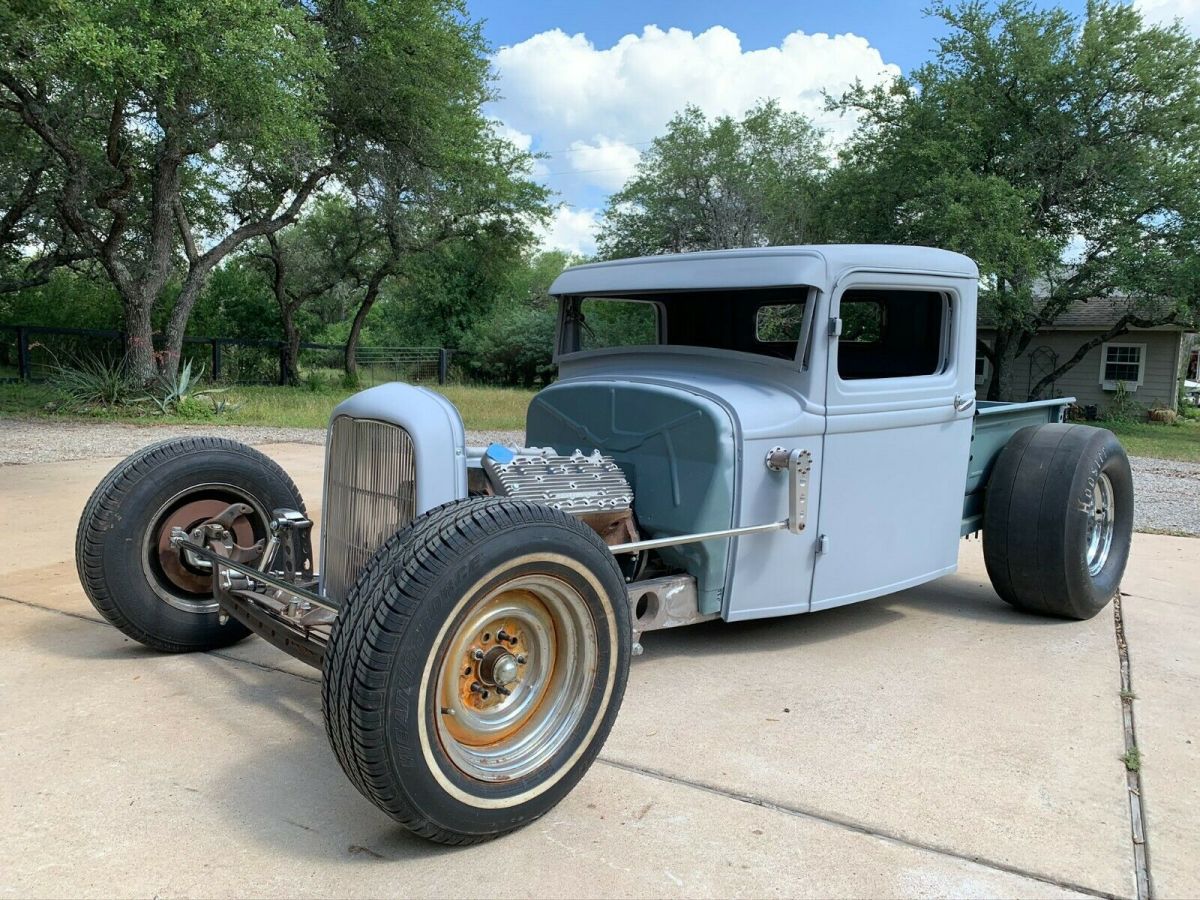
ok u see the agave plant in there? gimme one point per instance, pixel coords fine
(175, 389)
(93, 381)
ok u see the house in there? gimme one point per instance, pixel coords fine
(1149, 362)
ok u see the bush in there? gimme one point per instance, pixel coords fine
(1123, 408)
(512, 346)
(193, 407)
(93, 381)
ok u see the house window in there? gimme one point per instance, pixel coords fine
(1122, 364)
(983, 369)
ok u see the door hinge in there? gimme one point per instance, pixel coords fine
(835, 327)
(823, 543)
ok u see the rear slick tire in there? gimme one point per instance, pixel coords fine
(1058, 520)
(477, 667)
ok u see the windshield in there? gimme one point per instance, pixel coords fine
(765, 321)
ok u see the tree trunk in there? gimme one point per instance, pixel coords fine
(139, 341)
(172, 351)
(360, 317)
(1003, 361)
(290, 361)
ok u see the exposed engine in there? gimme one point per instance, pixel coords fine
(590, 486)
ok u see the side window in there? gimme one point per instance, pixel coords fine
(862, 320)
(616, 323)
(890, 333)
(779, 322)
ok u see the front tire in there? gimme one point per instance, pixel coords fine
(477, 667)
(128, 569)
(1058, 520)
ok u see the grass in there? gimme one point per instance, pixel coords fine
(1178, 441)
(1133, 759)
(482, 408)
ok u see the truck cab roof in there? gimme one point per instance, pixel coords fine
(818, 265)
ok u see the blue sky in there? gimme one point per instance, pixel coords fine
(900, 30)
(591, 83)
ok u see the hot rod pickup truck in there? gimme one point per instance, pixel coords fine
(733, 435)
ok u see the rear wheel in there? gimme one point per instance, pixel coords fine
(477, 667)
(130, 571)
(1058, 520)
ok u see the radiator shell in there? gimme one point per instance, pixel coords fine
(392, 453)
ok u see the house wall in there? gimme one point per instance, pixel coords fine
(1159, 381)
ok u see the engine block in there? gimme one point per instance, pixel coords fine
(578, 484)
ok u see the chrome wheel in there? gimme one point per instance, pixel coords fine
(1101, 524)
(515, 677)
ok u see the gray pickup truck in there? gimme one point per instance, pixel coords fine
(733, 435)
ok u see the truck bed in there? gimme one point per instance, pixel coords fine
(995, 423)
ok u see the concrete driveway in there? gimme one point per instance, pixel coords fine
(933, 743)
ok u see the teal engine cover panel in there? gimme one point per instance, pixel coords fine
(676, 447)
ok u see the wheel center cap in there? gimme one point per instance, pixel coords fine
(505, 670)
(499, 667)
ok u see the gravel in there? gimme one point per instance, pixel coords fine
(24, 441)
(1167, 491)
(1166, 495)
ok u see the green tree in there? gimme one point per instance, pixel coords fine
(32, 244)
(308, 261)
(179, 131)
(1061, 153)
(514, 344)
(726, 183)
(480, 195)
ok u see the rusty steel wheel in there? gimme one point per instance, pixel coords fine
(514, 676)
(181, 582)
(476, 667)
(126, 563)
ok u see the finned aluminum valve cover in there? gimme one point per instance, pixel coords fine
(576, 484)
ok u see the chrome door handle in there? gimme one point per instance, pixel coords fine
(962, 404)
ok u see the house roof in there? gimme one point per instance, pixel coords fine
(1095, 314)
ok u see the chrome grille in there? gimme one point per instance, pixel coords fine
(370, 493)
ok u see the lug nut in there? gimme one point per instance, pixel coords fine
(500, 689)
(521, 659)
(476, 687)
(477, 654)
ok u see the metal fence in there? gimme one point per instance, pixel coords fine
(35, 352)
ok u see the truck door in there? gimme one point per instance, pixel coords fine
(899, 403)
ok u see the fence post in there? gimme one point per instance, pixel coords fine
(443, 364)
(216, 359)
(282, 363)
(23, 354)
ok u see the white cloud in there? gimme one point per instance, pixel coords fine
(521, 141)
(607, 163)
(1167, 11)
(593, 109)
(563, 88)
(573, 230)
(518, 139)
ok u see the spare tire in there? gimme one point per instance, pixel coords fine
(1058, 519)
